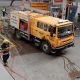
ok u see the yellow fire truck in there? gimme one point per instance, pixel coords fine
(50, 33)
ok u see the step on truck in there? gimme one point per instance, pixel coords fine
(50, 33)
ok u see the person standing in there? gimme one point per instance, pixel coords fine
(59, 14)
(5, 50)
(4, 12)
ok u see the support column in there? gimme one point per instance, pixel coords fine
(64, 8)
(76, 2)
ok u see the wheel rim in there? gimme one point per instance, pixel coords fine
(45, 47)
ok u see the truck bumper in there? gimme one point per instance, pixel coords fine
(63, 47)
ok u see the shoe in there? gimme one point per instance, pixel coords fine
(5, 64)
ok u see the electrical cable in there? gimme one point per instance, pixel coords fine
(71, 67)
(14, 71)
(13, 59)
(8, 71)
(23, 77)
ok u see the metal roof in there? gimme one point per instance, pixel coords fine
(52, 20)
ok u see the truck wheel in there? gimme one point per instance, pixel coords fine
(18, 36)
(46, 47)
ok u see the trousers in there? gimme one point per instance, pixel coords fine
(4, 13)
(5, 58)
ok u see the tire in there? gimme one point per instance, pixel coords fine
(46, 47)
(18, 35)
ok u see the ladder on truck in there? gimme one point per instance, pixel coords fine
(36, 10)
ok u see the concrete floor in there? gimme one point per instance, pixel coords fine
(4, 73)
(33, 64)
(37, 65)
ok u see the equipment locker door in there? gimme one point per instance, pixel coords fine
(24, 26)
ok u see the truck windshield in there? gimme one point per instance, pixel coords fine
(65, 31)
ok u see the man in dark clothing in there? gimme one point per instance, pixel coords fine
(59, 14)
(4, 12)
(5, 50)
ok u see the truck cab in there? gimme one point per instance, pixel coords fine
(55, 34)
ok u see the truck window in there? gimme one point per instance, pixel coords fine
(45, 27)
(42, 26)
(65, 31)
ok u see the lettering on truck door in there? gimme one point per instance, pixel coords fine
(14, 21)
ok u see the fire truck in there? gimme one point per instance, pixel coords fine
(49, 33)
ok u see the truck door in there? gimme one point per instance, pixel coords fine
(40, 30)
(24, 28)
